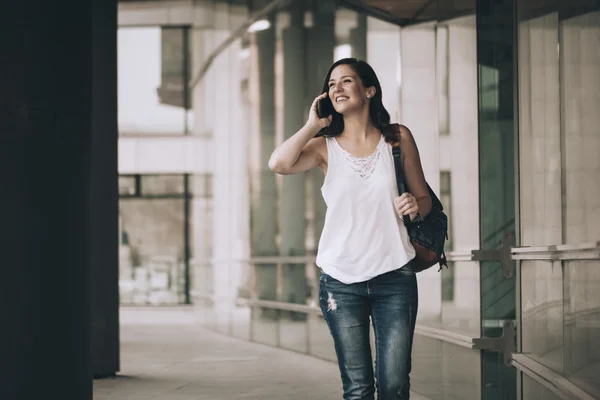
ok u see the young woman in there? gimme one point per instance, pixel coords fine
(365, 255)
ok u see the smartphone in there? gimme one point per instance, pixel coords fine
(324, 107)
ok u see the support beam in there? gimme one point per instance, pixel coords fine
(264, 194)
(293, 193)
(320, 45)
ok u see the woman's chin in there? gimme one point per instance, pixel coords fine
(342, 110)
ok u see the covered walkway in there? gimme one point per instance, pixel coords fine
(167, 355)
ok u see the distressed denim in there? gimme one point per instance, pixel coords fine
(390, 301)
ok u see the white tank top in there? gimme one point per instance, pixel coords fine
(363, 237)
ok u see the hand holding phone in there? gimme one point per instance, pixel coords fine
(321, 112)
(324, 107)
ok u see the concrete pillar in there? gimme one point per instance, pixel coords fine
(539, 131)
(263, 220)
(56, 90)
(104, 196)
(229, 177)
(358, 37)
(385, 60)
(418, 110)
(293, 194)
(321, 43)
(204, 38)
(457, 110)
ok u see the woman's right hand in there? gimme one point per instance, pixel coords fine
(313, 116)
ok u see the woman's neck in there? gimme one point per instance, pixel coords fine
(358, 127)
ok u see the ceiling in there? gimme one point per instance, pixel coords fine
(413, 11)
(400, 12)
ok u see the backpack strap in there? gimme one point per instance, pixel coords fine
(397, 154)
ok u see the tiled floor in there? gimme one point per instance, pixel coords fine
(166, 355)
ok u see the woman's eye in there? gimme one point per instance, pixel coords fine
(347, 80)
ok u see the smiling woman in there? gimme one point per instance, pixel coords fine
(364, 253)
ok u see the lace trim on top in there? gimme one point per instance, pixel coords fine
(363, 166)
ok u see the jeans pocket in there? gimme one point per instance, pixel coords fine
(407, 269)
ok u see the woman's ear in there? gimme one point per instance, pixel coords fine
(371, 92)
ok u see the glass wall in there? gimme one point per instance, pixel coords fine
(155, 189)
(497, 177)
(153, 232)
(559, 86)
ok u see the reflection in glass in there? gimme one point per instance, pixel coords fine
(539, 132)
(582, 324)
(151, 266)
(162, 185)
(580, 102)
(445, 371)
(535, 390)
(497, 133)
(265, 326)
(240, 322)
(559, 82)
(542, 312)
(127, 185)
(293, 332)
(462, 313)
(320, 342)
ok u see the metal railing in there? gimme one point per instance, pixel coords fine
(555, 382)
(505, 343)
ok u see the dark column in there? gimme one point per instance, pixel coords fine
(103, 187)
(51, 171)
(293, 193)
(498, 136)
(264, 193)
(358, 38)
(321, 42)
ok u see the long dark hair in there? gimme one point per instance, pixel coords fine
(380, 118)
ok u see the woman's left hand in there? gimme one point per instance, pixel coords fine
(406, 204)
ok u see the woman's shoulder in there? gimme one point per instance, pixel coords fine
(403, 133)
(399, 133)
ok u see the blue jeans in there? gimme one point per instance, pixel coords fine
(391, 301)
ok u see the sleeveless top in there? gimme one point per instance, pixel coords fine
(363, 237)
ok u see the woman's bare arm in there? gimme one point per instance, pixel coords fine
(299, 153)
(413, 171)
(302, 151)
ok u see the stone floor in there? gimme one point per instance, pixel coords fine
(166, 355)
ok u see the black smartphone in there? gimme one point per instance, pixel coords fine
(324, 107)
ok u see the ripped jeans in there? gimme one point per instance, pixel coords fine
(391, 301)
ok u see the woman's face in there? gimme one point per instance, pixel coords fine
(346, 90)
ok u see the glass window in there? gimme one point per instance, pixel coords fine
(580, 102)
(582, 324)
(446, 199)
(128, 185)
(152, 258)
(539, 131)
(559, 82)
(153, 185)
(542, 312)
(497, 188)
